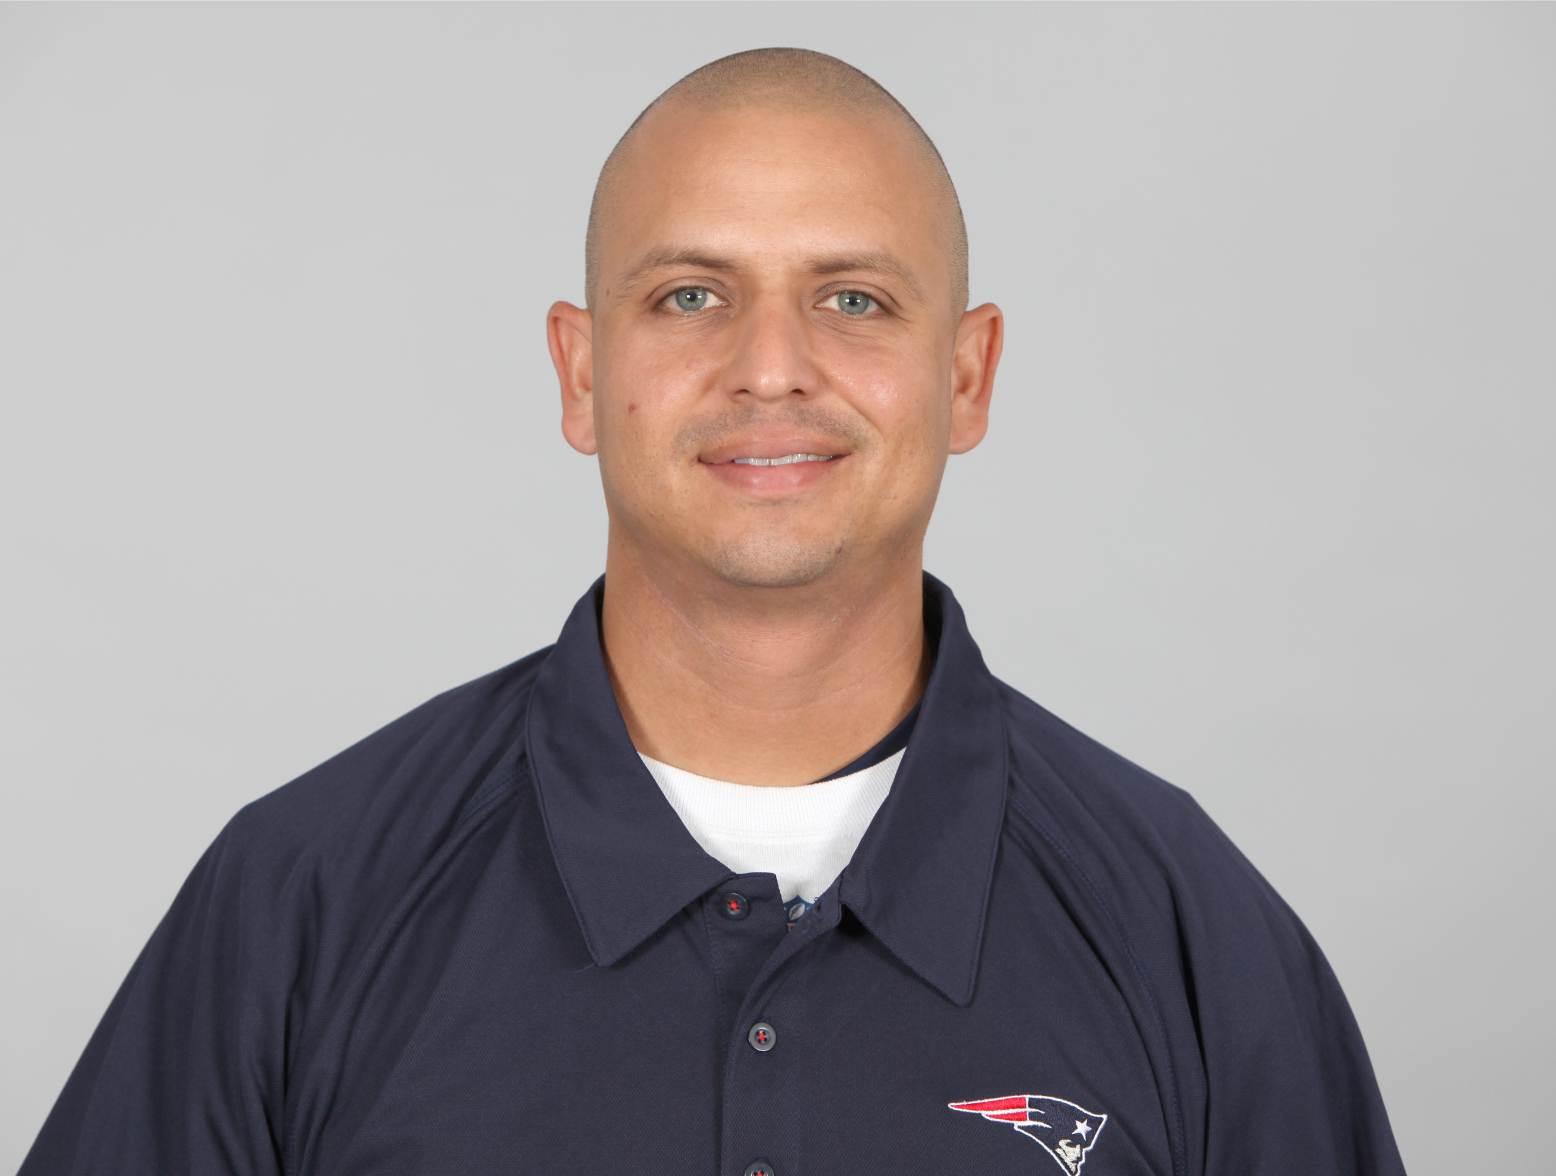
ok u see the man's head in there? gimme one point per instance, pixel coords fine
(761, 172)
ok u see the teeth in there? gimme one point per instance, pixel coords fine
(793, 457)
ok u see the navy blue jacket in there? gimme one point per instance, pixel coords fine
(479, 940)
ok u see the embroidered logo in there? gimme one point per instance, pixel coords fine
(1064, 1130)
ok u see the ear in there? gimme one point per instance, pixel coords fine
(979, 339)
(570, 338)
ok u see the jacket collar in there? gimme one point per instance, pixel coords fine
(919, 880)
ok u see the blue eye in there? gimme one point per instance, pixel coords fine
(676, 293)
(856, 294)
(696, 298)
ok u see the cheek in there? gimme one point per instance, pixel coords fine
(888, 382)
(638, 447)
(909, 414)
(643, 384)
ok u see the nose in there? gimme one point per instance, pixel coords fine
(772, 351)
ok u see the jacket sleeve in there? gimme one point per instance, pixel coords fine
(184, 1072)
(1290, 1087)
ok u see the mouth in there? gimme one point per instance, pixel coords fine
(775, 477)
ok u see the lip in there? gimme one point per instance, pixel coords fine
(771, 443)
(777, 481)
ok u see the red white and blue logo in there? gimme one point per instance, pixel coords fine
(1063, 1129)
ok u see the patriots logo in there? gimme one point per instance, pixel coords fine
(1063, 1129)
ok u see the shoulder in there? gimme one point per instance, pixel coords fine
(391, 796)
(1146, 843)
(1095, 794)
(1236, 978)
(1170, 874)
(306, 876)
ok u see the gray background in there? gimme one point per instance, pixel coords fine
(1260, 505)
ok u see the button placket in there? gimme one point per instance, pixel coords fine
(756, 1124)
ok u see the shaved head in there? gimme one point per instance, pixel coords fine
(775, 257)
(802, 81)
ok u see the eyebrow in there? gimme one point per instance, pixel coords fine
(871, 260)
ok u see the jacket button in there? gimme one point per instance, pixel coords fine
(759, 1168)
(734, 904)
(762, 1036)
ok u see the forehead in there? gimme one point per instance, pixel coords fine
(760, 188)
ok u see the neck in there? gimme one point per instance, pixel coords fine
(771, 686)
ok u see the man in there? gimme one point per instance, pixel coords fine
(757, 870)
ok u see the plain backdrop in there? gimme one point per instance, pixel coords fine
(1265, 504)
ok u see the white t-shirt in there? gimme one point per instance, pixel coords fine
(804, 834)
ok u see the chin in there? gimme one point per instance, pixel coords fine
(767, 562)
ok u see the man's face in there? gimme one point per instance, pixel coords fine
(681, 367)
